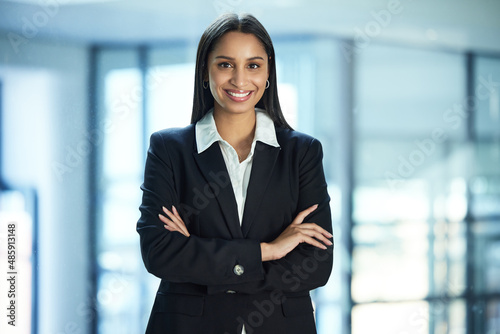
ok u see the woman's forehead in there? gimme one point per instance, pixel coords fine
(236, 44)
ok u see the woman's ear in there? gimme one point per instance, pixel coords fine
(205, 71)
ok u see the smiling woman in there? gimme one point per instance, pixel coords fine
(230, 261)
(237, 73)
(259, 45)
(237, 76)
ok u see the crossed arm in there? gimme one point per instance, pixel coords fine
(296, 233)
(278, 264)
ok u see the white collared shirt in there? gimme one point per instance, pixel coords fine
(239, 173)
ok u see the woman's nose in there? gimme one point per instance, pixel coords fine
(239, 78)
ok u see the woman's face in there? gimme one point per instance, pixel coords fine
(237, 72)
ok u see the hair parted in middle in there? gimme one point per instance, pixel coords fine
(203, 100)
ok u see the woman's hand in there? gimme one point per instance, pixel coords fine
(175, 223)
(295, 234)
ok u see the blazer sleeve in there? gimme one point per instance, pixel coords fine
(171, 255)
(306, 267)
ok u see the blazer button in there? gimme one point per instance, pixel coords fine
(238, 270)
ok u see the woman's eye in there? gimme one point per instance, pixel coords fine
(254, 66)
(225, 65)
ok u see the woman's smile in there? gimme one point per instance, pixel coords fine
(237, 73)
(238, 95)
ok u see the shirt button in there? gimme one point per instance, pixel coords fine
(238, 270)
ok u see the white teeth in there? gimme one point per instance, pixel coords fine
(237, 95)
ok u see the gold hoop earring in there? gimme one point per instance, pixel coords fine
(204, 84)
(267, 84)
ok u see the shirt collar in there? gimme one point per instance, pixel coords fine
(206, 130)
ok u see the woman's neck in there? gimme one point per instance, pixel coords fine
(237, 129)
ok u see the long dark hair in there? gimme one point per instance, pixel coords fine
(246, 23)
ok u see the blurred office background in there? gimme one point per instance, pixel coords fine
(404, 95)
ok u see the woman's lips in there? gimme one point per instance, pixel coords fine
(238, 95)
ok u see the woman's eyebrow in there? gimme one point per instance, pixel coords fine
(230, 58)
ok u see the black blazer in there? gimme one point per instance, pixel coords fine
(215, 281)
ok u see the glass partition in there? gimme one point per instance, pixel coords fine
(409, 241)
(425, 179)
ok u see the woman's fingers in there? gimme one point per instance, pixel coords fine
(176, 214)
(314, 242)
(315, 227)
(317, 233)
(303, 214)
(294, 235)
(172, 225)
(175, 223)
(175, 217)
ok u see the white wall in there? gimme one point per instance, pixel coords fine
(45, 107)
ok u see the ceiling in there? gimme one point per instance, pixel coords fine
(449, 24)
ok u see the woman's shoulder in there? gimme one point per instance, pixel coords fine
(184, 134)
(300, 145)
(293, 137)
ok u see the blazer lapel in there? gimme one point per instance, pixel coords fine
(213, 168)
(262, 167)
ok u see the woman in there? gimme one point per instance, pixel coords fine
(235, 215)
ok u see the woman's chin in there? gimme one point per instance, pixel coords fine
(238, 107)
